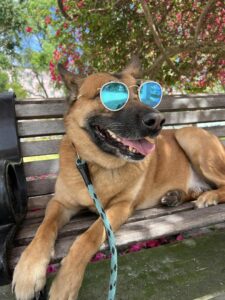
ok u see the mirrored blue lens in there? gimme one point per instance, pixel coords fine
(114, 95)
(150, 93)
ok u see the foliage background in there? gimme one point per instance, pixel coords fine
(181, 43)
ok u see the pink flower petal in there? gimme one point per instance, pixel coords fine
(51, 269)
(152, 243)
(136, 247)
(98, 256)
(180, 237)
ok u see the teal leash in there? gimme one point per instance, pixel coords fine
(83, 168)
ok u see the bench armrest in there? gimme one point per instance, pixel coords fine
(13, 195)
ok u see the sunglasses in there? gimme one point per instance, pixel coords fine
(115, 95)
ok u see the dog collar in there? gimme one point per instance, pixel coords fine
(84, 171)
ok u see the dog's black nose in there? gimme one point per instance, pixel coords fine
(153, 121)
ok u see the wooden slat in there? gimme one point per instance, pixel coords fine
(82, 222)
(171, 224)
(40, 109)
(217, 130)
(56, 107)
(187, 102)
(52, 146)
(52, 127)
(40, 147)
(201, 116)
(40, 127)
(35, 216)
(41, 186)
(146, 229)
(36, 168)
(38, 202)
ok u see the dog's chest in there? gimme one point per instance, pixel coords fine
(196, 183)
(118, 185)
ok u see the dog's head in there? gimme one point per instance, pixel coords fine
(109, 138)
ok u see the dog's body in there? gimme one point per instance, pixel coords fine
(185, 165)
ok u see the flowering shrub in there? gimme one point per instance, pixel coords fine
(181, 43)
(186, 49)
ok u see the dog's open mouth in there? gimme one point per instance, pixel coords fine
(135, 149)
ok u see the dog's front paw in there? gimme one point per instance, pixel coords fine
(67, 282)
(29, 275)
(207, 199)
(173, 198)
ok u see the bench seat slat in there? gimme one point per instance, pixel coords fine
(145, 229)
(78, 224)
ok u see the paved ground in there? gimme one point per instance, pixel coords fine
(193, 269)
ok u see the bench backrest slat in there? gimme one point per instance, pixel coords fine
(34, 128)
(40, 147)
(40, 109)
(41, 186)
(57, 107)
(37, 168)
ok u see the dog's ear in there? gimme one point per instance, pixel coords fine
(134, 67)
(72, 82)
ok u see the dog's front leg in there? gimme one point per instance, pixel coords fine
(30, 273)
(69, 278)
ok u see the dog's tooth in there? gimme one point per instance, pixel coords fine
(130, 149)
(112, 134)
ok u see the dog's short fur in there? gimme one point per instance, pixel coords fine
(186, 164)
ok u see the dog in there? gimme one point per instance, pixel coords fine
(180, 165)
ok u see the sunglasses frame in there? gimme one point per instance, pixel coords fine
(128, 93)
(139, 91)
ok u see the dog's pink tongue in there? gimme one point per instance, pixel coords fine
(142, 146)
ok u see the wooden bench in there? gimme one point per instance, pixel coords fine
(40, 128)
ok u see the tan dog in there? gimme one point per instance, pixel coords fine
(179, 165)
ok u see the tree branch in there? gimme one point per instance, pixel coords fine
(41, 84)
(191, 46)
(93, 10)
(202, 17)
(34, 94)
(64, 13)
(157, 39)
